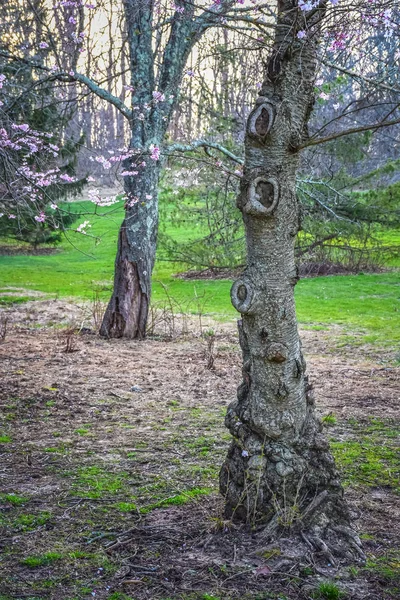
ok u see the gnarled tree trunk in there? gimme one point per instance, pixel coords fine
(127, 311)
(279, 471)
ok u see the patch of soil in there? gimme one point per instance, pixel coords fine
(27, 251)
(306, 269)
(210, 274)
(102, 443)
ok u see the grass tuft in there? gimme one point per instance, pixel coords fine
(41, 560)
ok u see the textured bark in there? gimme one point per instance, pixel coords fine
(127, 311)
(279, 470)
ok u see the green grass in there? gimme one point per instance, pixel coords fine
(366, 306)
(10, 300)
(386, 566)
(329, 419)
(14, 499)
(95, 482)
(177, 500)
(41, 560)
(327, 590)
(29, 522)
(371, 457)
(126, 506)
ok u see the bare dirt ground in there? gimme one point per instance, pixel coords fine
(110, 455)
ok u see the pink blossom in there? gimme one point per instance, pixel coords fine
(40, 218)
(3, 78)
(158, 97)
(301, 35)
(132, 201)
(190, 72)
(155, 152)
(67, 178)
(306, 5)
(81, 228)
(149, 197)
(23, 127)
(53, 206)
(103, 161)
(12, 216)
(43, 45)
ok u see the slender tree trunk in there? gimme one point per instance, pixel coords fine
(279, 471)
(127, 311)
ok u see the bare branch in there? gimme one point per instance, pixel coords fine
(339, 134)
(373, 82)
(203, 144)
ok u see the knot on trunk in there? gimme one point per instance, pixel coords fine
(242, 296)
(261, 120)
(263, 197)
(276, 352)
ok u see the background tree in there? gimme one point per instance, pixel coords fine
(37, 157)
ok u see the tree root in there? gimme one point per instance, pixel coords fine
(320, 545)
(316, 503)
(352, 539)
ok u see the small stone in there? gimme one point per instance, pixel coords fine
(257, 463)
(122, 572)
(136, 388)
(283, 469)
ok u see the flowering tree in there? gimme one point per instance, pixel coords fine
(37, 158)
(33, 178)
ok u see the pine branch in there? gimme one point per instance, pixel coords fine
(70, 77)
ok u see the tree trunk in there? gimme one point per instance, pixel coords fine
(127, 311)
(279, 471)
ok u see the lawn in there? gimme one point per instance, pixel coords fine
(367, 305)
